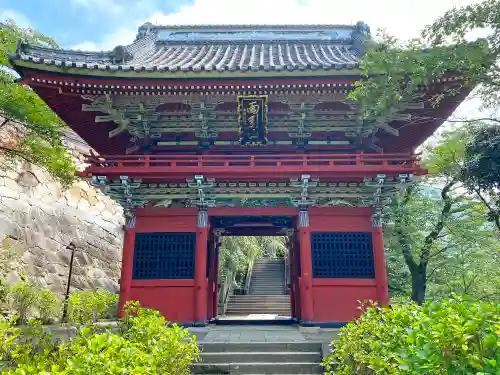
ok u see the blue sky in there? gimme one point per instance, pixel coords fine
(73, 22)
(103, 24)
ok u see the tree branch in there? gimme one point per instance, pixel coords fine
(404, 239)
(433, 235)
(439, 252)
(496, 216)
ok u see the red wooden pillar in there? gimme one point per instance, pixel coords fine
(127, 265)
(213, 276)
(291, 275)
(215, 301)
(306, 292)
(380, 266)
(296, 281)
(200, 269)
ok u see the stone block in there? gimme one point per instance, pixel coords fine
(5, 192)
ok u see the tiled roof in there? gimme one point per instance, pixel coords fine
(219, 48)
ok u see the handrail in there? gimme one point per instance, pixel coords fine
(258, 160)
(225, 291)
(248, 276)
(287, 274)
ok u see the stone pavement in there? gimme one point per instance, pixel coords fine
(262, 334)
(235, 334)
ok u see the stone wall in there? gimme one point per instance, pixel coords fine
(38, 220)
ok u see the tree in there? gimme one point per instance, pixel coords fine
(395, 73)
(431, 254)
(397, 70)
(438, 229)
(481, 170)
(31, 131)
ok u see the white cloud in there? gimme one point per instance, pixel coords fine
(403, 19)
(121, 36)
(19, 18)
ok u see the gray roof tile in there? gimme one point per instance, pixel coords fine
(273, 48)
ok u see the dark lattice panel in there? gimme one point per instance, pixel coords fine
(342, 255)
(164, 256)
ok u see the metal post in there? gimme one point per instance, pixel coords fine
(72, 247)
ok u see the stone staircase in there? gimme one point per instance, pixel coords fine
(267, 294)
(260, 358)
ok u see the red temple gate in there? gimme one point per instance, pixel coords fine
(239, 130)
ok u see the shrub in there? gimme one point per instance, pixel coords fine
(48, 306)
(144, 345)
(458, 336)
(22, 299)
(90, 306)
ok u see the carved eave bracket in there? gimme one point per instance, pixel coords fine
(305, 201)
(104, 103)
(202, 202)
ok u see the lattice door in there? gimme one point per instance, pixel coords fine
(342, 255)
(164, 256)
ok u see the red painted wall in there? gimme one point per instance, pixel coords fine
(175, 299)
(336, 300)
(166, 220)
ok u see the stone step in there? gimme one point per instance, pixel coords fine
(277, 285)
(259, 357)
(267, 356)
(236, 368)
(257, 297)
(265, 291)
(282, 347)
(262, 310)
(284, 305)
(259, 304)
(257, 309)
(246, 312)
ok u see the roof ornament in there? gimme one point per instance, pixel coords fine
(144, 30)
(363, 29)
(120, 55)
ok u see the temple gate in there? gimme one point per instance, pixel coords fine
(208, 131)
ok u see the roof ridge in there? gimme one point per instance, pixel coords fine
(252, 26)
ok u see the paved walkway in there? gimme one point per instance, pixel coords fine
(254, 317)
(231, 334)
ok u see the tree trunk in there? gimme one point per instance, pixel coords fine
(419, 284)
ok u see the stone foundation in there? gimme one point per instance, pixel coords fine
(38, 220)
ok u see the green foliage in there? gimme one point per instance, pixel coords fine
(397, 71)
(48, 306)
(482, 158)
(456, 335)
(90, 306)
(22, 299)
(144, 345)
(38, 132)
(236, 253)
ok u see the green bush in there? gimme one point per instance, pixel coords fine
(144, 345)
(90, 306)
(48, 306)
(22, 299)
(454, 336)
